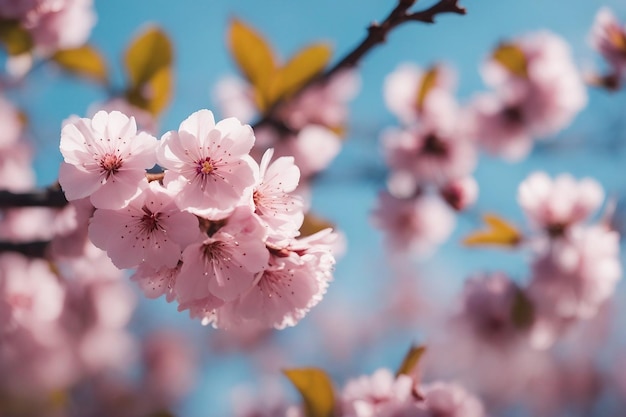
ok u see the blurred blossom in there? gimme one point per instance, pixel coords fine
(415, 225)
(145, 121)
(555, 205)
(413, 94)
(608, 37)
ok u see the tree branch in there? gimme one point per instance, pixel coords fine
(49, 197)
(376, 34)
(36, 249)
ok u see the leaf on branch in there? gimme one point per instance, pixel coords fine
(271, 81)
(14, 37)
(147, 54)
(512, 57)
(499, 233)
(252, 53)
(522, 310)
(148, 61)
(299, 70)
(429, 80)
(411, 360)
(313, 224)
(85, 61)
(316, 390)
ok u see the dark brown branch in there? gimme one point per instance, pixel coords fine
(376, 34)
(50, 197)
(36, 249)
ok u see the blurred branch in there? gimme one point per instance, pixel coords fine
(49, 197)
(36, 249)
(376, 34)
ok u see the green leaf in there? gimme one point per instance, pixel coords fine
(316, 390)
(411, 360)
(85, 61)
(146, 55)
(14, 37)
(522, 310)
(512, 57)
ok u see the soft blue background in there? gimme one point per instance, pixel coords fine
(346, 193)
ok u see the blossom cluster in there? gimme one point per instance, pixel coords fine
(537, 92)
(218, 233)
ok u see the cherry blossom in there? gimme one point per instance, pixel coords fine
(450, 400)
(608, 37)
(555, 205)
(413, 224)
(548, 90)
(105, 159)
(208, 164)
(430, 155)
(379, 395)
(225, 264)
(151, 229)
(413, 94)
(577, 274)
(280, 211)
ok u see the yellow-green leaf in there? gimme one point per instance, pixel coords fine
(14, 37)
(85, 61)
(316, 390)
(146, 55)
(155, 94)
(498, 232)
(429, 80)
(252, 53)
(298, 71)
(313, 224)
(411, 360)
(512, 57)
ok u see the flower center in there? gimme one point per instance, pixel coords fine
(617, 38)
(434, 146)
(150, 220)
(110, 163)
(205, 166)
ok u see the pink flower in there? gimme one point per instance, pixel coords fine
(280, 211)
(235, 98)
(225, 264)
(60, 24)
(294, 282)
(608, 37)
(151, 229)
(155, 282)
(30, 294)
(499, 126)
(428, 154)
(105, 158)
(16, 171)
(145, 121)
(577, 274)
(414, 224)
(450, 400)
(548, 91)
(555, 205)
(208, 164)
(379, 395)
(402, 95)
(16, 9)
(487, 310)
